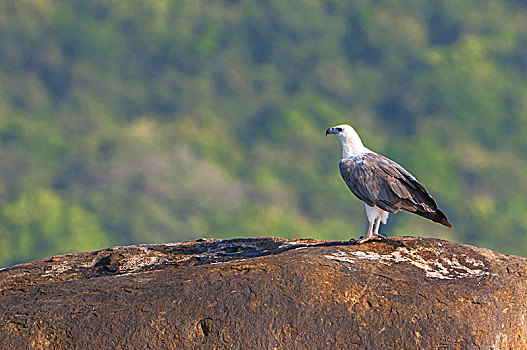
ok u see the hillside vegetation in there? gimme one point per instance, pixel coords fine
(154, 121)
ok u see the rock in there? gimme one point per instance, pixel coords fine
(268, 293)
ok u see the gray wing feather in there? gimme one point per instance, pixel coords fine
(381, 182)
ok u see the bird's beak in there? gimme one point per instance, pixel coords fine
(330, 131)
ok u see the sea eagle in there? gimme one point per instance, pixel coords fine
(383, 185)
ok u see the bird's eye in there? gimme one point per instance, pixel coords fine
(339, 129)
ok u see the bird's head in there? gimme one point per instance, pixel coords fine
(343, 131)
(351, 142)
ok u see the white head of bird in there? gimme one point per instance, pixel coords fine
(351, 142)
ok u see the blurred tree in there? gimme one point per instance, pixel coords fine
(127, 122)
(40, 224)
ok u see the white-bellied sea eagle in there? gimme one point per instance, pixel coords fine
(383, 185)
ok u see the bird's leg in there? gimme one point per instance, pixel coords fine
(370, 236)
(377, 226)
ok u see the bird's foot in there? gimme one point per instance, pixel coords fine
(380, 235)
(363, 239)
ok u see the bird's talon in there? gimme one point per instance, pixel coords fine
(367, 239)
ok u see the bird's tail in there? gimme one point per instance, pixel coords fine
(437, 216)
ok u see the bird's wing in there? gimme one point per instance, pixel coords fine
(381, 182)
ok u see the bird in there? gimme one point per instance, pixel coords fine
(383, 185)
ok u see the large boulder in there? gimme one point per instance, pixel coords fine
(268, 293)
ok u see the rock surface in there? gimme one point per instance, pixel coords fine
(268, 293)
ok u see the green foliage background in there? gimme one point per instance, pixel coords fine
(154, 121)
